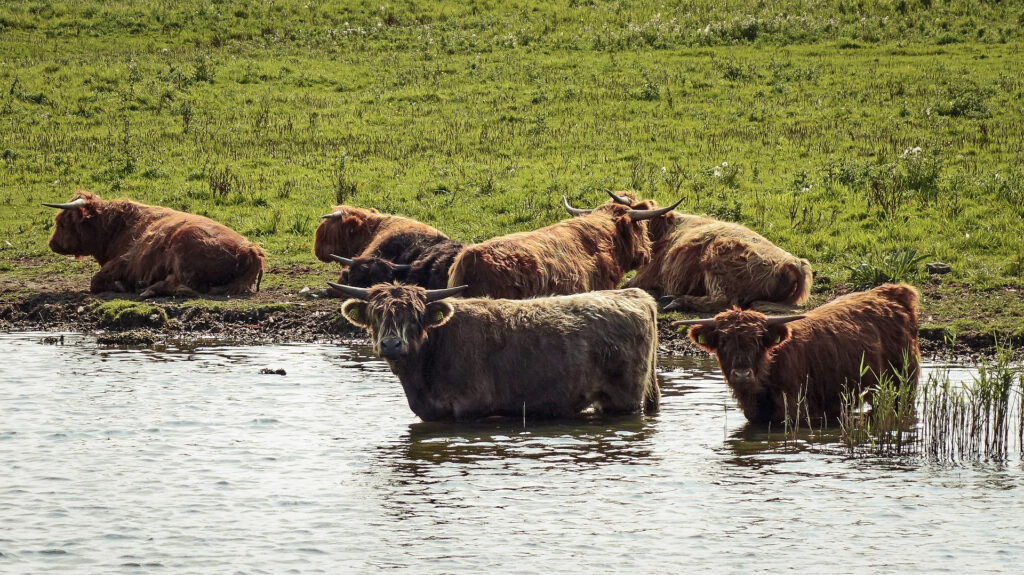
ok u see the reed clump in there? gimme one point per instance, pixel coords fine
(943, 419)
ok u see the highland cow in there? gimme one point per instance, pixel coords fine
(465, 359)
(428, 269)
(707, 265)
(787, 368)
(582, 254)
(155, 250)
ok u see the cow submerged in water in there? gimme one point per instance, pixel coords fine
(797, 366)
(155, 250)
(573, 256)
(464, 359)
(349, 232)
(707, 265)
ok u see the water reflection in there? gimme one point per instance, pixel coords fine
(571, 444)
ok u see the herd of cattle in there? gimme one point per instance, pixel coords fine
(532, 323)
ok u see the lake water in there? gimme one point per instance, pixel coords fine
(189, 460)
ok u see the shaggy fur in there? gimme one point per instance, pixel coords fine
(430, 258)
(356, 232)
(155, 250)
(573, 256)
(815, 358)
(462, 359)
(708, 265)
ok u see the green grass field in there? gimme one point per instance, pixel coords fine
(868, 136)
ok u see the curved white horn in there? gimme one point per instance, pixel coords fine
(68, 206)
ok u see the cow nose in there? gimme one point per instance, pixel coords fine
(742, 375)
(390, 347)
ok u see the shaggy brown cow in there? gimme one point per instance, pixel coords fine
(573, 256)
(355, 232)
(549, 357)
(791, 366)
(428, 268)
(707, 265)
(157, 250)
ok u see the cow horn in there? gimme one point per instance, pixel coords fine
(436, 294)
(572, 210)
(342, 260)
(337, 214)
(68, 206)
(639, 215)
(400, 267)
(706, 322)
(619, 199)
(358, 293)
(784, 319)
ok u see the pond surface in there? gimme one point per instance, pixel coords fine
(189, 460)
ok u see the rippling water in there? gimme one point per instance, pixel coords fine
(189, 460)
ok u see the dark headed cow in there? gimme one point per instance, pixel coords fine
(582, 254)
(549, 357)
(707, 265)
(355, 232)
(157, 250)
(428, 268)
(801, 365)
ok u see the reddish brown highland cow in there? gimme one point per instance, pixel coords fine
(798, 366)
(707, 265)
(155, 250)
(351, 232)
(582, 254)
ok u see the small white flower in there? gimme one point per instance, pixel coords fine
(725, 164)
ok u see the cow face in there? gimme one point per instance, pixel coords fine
(366, 272)
(742, 341)
(78, 230)
(345, 231)
(398, 316)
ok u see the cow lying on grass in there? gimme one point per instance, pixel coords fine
(573, 256)
(428, 269)
(550, 357)
(707, 265)
(795, 366)
(356, 232)
(155, 250)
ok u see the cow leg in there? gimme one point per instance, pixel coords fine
(110, 277)
(704, 304)
(168, 286)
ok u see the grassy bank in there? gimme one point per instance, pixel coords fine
(857, 134)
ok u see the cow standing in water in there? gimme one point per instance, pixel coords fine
(707, 265)
(464, 359)
(351, 232)
(428, 269)
(155, 250)
(793, 366)
(573, 256)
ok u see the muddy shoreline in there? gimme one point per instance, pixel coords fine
(280, 316)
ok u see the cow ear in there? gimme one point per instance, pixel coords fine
(704, 337)
(776, 334)
(437, 314)
(355, 311)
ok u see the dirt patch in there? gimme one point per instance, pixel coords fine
(286, 315)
